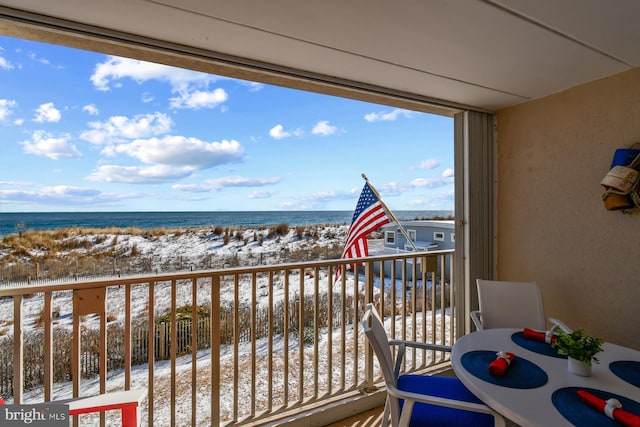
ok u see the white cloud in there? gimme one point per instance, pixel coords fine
(323, 197)
(199, 99)
(6, 108)
(119, 128)
(430, 183)
(45, 61)
(47, 113)
(429, 164)
(138, 174)
(392, 188)
(231, 181)
(91, 109)
(115, 69)
(5, 65)
(261, 194)
(191, 87)
(45, 144)
(448, 173)
(388, 115)
(324, 128)
(423, 182)
(69, 191)
(444, 195)
(242, 181)
(278, 132)
(58, 193)
(288, 205)
(253, 86)
(179, 151)
(62, 195)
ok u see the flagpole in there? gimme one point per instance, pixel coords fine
(391, 214)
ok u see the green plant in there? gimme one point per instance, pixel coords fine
(579, 346)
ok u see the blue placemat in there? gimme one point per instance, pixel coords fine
(627, 370)
(578, 413)
(520, 374)
(535, 346)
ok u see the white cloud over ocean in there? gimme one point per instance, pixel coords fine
(121, 128)
(54, 147)
(139, 174)
(182, 151)
(225, 182)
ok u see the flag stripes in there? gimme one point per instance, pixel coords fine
(368, 217)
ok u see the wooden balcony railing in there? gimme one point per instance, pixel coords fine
(222, 347)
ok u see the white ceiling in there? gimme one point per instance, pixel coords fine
(487, 54)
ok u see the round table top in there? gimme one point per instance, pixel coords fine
(530, 405)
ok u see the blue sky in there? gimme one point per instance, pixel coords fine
(84, 131)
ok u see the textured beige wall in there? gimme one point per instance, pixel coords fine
(552, 224)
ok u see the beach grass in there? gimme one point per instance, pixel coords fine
(78, 252)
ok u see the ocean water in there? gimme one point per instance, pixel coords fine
(10, 223)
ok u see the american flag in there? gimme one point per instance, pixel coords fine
(369, 216)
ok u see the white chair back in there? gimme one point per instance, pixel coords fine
(377, 336)
(511, 304)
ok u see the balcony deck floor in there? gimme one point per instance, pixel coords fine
(370, 418)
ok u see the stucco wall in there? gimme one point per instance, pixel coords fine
(552, 224)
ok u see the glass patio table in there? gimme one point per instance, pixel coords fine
(537, 389)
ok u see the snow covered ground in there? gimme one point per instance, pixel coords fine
(163, 372)
(192, 246)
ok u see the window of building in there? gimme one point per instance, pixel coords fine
(390, 237)
(412, 234)
(438, 236)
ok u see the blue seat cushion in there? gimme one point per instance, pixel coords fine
(433, 415)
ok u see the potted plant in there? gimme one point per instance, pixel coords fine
(580, 348)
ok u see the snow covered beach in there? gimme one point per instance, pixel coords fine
(245, 246)
(83, 252)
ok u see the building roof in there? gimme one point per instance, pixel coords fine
(422, 223)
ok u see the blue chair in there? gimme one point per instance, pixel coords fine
(422, 400)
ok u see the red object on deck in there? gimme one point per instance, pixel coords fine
(127, 401)
(129, 412)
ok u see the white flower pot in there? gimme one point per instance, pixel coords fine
(579, 368)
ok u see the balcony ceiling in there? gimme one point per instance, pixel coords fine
(479, 53)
